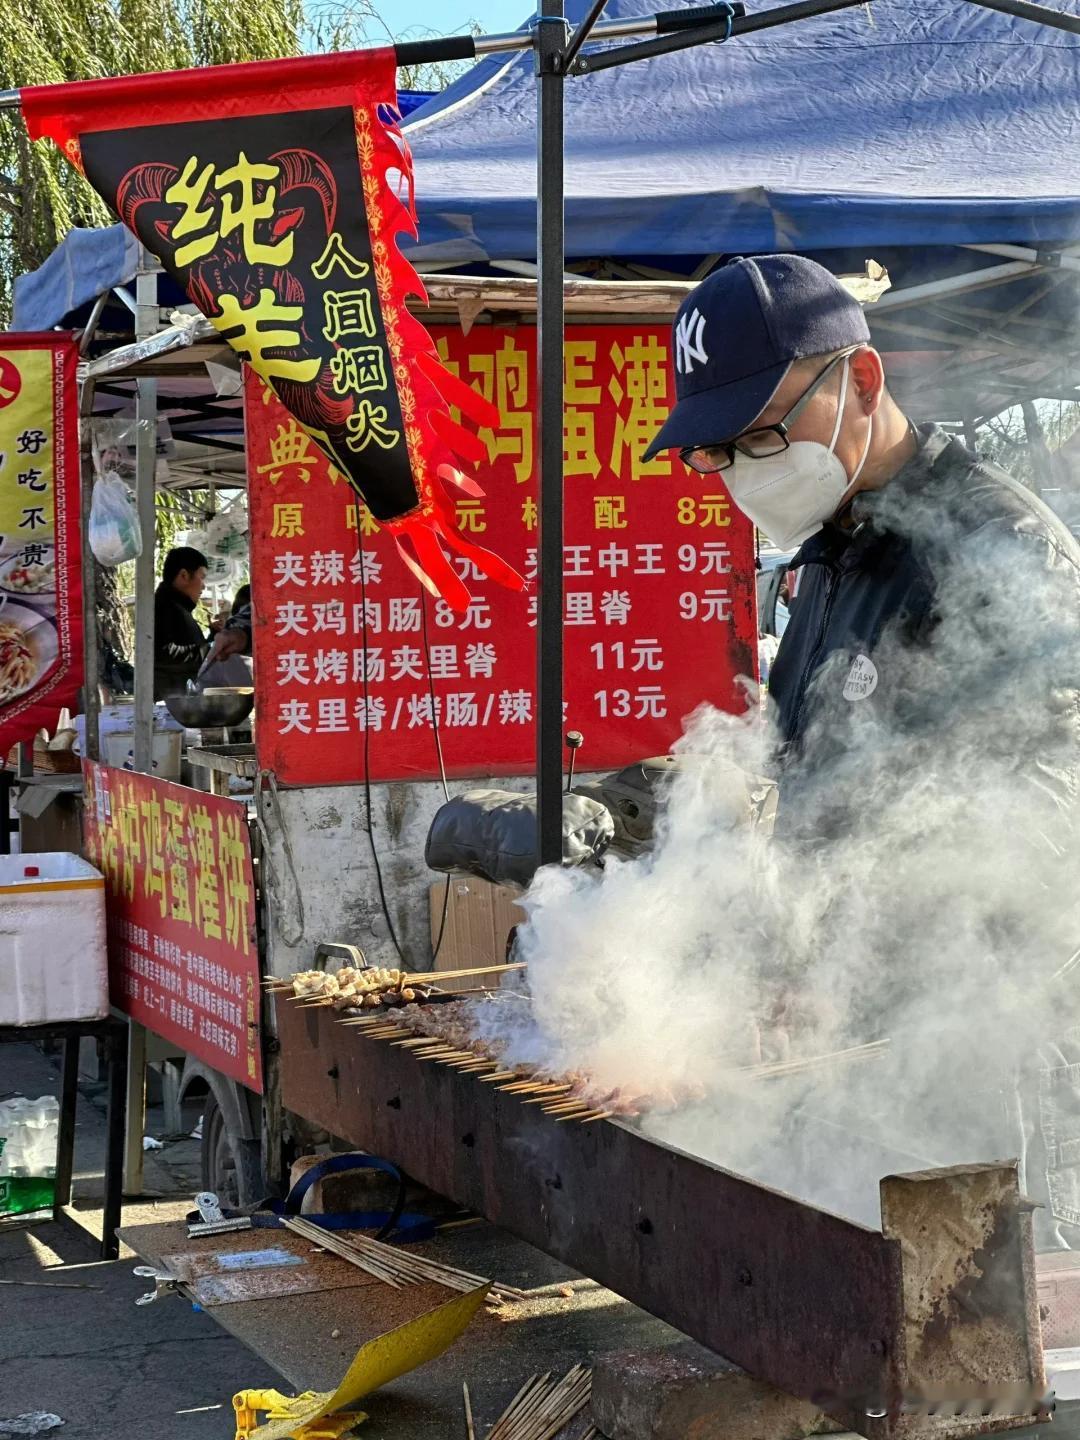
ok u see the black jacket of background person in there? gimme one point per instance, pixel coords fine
(179, 643)
(868, 594)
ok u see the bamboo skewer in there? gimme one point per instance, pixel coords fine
(434, 977)
(470, 1429)
(543, 1407)
(814, 1062)
(397, 1267)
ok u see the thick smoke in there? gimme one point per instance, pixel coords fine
(922, 886)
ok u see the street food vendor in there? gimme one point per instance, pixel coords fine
(179, 642)
(928, 671)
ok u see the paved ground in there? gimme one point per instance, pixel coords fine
(86, 1353)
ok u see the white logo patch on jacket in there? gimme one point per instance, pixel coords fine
(862, 679)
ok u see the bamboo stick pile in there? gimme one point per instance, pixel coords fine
(541, 1408)
(397, 1267)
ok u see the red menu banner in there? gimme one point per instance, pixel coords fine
(180, 905)
(660, 609)
(41, 642)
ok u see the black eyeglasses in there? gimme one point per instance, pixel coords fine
(763, 440)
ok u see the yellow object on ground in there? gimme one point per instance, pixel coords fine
(312, 1415)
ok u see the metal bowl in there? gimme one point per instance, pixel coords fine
(216, 708)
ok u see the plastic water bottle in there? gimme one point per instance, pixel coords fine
(28, 1135)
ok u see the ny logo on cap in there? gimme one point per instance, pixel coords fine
(688, 346)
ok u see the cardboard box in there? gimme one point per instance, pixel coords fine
(479, 918)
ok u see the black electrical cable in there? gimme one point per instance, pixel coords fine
(367, 730)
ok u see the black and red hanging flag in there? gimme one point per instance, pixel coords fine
(272, 192)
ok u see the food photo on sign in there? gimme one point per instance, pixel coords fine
(40, 607)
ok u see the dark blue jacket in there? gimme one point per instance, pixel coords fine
(862, 627)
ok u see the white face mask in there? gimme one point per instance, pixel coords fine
(790, 496)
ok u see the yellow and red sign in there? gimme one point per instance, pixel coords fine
(40, 590)
(354, 665)
(180, 903)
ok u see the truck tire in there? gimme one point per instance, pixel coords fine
(231, 1165)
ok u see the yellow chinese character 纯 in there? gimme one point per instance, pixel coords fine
(248, 329)
(178, 862)
(368, 423)
(237, 892)
(244, 214)
(348, 312)
(504, 380)
(189, 191)
(641, 400)
(609, 512)
(153, 874)
(289, 447)
(334, 253)
(207, 897)
(357, 371)
(288, 521)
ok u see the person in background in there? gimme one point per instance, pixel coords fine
(179, 642)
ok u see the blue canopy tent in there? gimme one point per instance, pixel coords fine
(902, 133)
(894, 124)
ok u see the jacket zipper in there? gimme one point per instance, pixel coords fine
(832, 587)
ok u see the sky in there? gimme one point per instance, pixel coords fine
(449, 16)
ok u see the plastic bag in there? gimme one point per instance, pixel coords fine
(115, 535)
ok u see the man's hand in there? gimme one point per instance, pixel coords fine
(228, 642)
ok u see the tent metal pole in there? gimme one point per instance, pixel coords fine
(737, 23)
(1064, 257)
(470, 47)
(145, 467)
(1040, 14)
(581, 34)
(550, 42)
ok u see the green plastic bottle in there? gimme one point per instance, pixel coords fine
(23, 1194)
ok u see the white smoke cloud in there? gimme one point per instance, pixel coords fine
(925, 890)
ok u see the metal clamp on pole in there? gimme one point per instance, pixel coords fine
(549, 51)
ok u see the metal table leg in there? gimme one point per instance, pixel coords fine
(65, 1140)
(114, 1153)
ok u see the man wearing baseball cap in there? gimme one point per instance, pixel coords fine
(781, 394)
(927, 687)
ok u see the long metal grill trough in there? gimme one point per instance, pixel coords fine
(940, 1302)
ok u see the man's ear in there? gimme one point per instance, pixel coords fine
(868, 378)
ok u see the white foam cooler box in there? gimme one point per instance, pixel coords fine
(53, 963)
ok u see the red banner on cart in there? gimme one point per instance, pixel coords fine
(180, 902)
(274, 193)
(40, 562)
(660, 606)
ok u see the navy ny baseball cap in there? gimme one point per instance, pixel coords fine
(736, 335)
